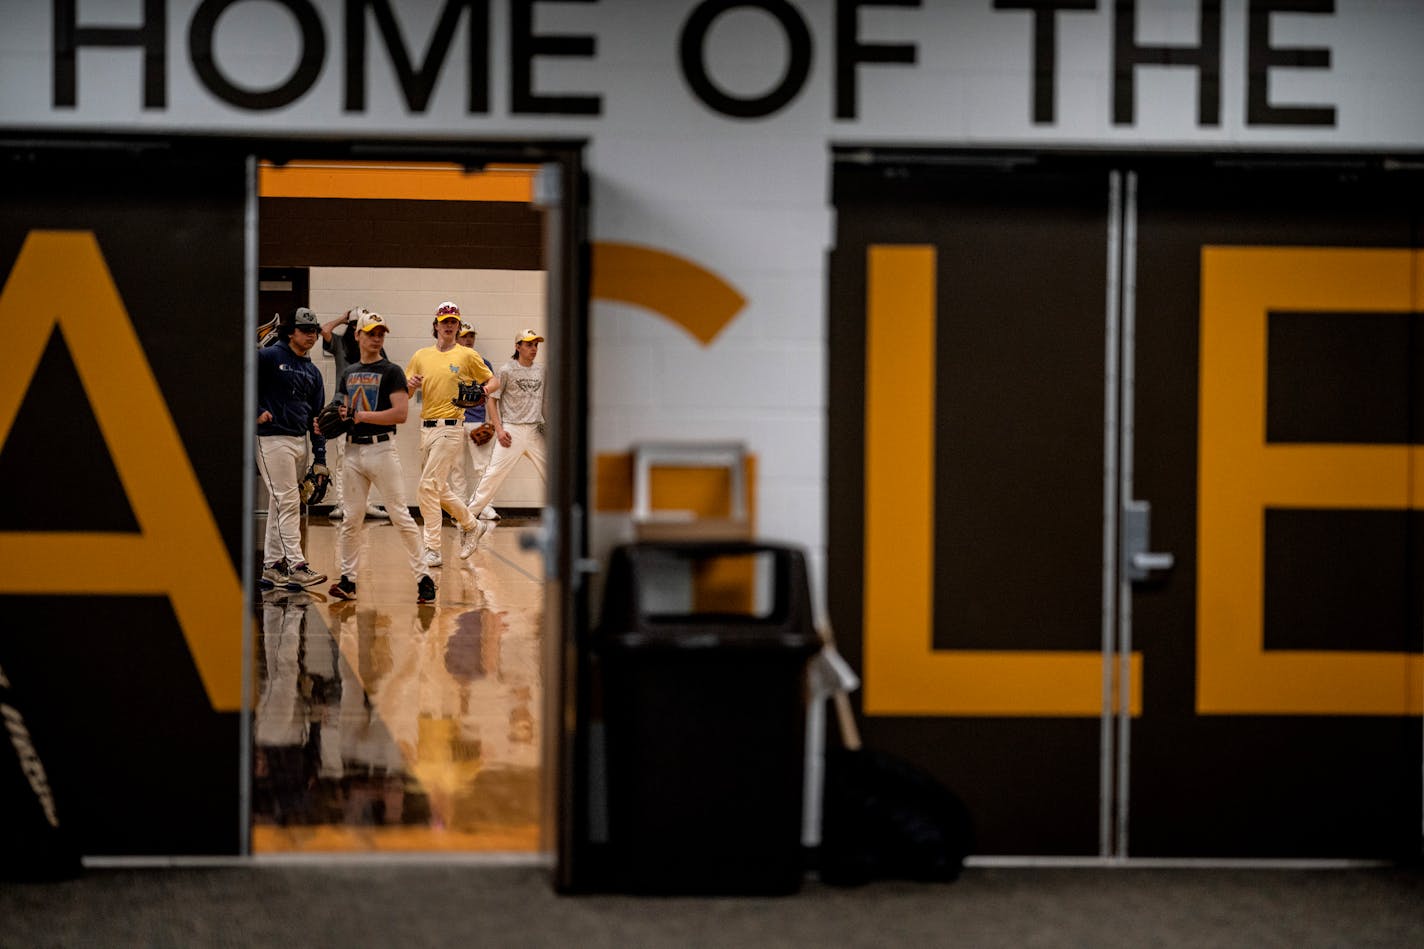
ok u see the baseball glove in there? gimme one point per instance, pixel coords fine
(482, 433)
(470, 395)
(314, 484)
(329, 421)
(267, 333)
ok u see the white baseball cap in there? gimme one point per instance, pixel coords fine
(370, 322)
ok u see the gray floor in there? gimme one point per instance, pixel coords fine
(404, 905)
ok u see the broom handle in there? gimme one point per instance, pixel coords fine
(850, 732)
(845, 717)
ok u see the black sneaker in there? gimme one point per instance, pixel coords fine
(424, 590)
(343, 589)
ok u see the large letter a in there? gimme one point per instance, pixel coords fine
(175, 522)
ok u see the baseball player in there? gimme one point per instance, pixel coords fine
(517, 411)
(338, 337)
(375, 401)
(436, 373)
(290, 393)
(479, 442)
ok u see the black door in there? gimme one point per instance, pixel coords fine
(123, 446)
(1278, 429)
(1247, 333)
(969, 344)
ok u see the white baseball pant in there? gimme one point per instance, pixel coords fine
(376, 465)
(439, 450)
(282, 461)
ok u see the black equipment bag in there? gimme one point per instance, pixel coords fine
(886, 819)
(883, 818)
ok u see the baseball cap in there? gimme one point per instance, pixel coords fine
(528, 336)
(305, 317)
(446, 310)
(466, 329)
(371, 321)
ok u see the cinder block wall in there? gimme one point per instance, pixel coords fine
(497, 303)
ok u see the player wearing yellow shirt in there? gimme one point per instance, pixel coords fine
(436, 372)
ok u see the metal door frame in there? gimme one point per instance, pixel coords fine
(1111, 769)
(560, 192)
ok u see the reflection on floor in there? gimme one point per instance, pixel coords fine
(383, 725)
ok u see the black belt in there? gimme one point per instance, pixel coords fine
(369, 439)
(432, 422)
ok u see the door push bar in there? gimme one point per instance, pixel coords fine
(1139, 561)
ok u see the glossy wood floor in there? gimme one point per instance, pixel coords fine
(380, 725)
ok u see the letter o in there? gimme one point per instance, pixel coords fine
(200, 52)
(694, 66)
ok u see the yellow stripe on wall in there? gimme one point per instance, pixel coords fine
(706, 492)
(726, 584)
(407, 181)
(1241, 476)
(904, 674)
(899, 472)
(674, 287)
(148, 453)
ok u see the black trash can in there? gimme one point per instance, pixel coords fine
(703, 652)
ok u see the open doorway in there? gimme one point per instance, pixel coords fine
(157, 238)
(382, 724)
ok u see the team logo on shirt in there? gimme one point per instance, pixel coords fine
(363, 390)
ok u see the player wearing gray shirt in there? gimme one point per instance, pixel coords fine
(517, 412)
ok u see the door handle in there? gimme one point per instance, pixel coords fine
(1139, 560)
(543, 537)
(1147, 562)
